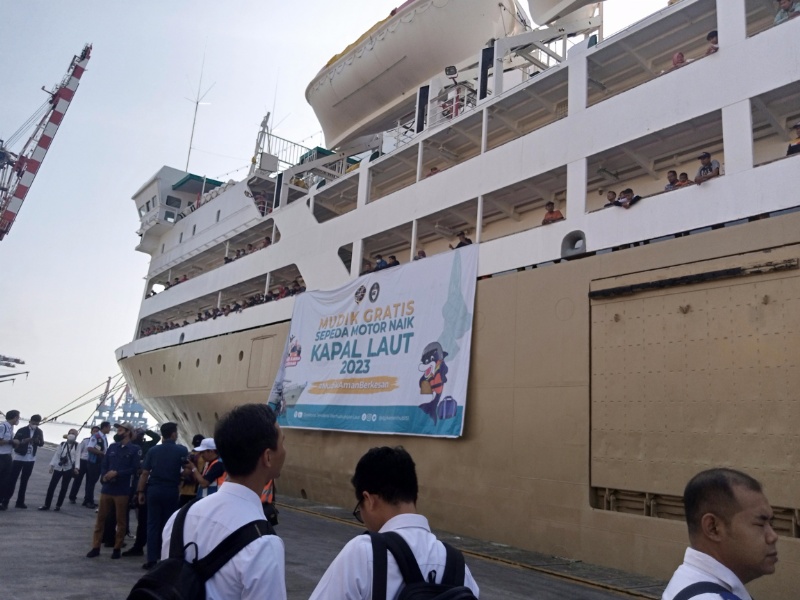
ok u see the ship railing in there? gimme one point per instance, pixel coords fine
(288, 153)
(451, 103)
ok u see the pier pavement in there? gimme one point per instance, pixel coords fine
(43, 556)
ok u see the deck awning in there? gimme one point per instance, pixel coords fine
(193, 184)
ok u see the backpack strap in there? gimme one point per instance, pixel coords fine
(409, 568)
(380, 566)
(207, 566)
(454, 568)
(176, 538)
(705, 587)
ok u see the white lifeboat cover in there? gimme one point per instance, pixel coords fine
(374, 81)
(545, 11)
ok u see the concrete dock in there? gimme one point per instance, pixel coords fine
(43, 556)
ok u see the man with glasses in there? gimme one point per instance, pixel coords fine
(386, 488)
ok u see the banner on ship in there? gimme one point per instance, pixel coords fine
(387, 353)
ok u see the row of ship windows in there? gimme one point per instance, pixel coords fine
(196, 363)
(180, 236)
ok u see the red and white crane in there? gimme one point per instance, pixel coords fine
(17, 171)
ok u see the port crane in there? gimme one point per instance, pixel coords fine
(18, 170)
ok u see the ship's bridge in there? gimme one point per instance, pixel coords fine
(166, 198)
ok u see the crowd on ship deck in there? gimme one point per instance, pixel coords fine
(280, 292)
(249, 249)
(709, 169)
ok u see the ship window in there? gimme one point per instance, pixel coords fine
(154, 201)
(163, 368)
(194, 228)
(185, 416)
(241, 355)
(219, 358)
(216, 416)
(140, 372)
(142, 211)
(199, 418)
(147, 205)
(180, 341)
(218, 216)
(173, 202)
(151, 370)
(169, 216)
(162, 248)
(197, 363)
(180, 238)
(179, 365)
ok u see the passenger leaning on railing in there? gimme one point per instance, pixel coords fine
(787, 9)
(709, 168)
(794, 147)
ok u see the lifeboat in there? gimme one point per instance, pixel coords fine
(374, 81)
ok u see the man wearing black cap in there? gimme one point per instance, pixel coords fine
(158, 487)
(30, 439)
(708, 168)
(794, 147)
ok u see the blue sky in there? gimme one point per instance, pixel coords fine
(70, 281)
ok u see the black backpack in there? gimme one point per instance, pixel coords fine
(416, 588)
(177, 579)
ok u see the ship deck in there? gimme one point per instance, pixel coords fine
(313, 535)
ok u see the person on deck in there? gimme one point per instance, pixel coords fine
(709, 168)
(551, 215)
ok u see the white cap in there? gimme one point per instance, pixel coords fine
(206, 444)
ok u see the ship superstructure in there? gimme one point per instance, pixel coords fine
(615, 352)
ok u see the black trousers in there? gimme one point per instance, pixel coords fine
(5, 475)
(19, 470)
(77, 480)
(92, 475)
(141, 526)
(63, 477)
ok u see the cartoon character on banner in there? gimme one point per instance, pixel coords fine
(434, 376)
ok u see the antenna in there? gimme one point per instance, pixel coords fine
(197, 101)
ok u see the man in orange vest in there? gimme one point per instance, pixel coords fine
(213, 474)
(268, 503)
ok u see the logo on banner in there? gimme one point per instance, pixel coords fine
(434, 376)
(293, 357)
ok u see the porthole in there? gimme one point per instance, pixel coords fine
(179, 365)
(197, 363)
(219, 358)
(140, 372)
(199, 418)
(216, 416)
(163, 368)
(180, 341)
(241, 355)
(151, 370)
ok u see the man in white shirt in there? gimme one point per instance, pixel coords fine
(83, 453)
(7, 445)
(386, 488)
(250, 442)
(731, 538)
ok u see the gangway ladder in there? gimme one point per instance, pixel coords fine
(26, 165)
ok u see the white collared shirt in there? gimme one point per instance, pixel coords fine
(83, 448)
(698, 566)
(349, 577)
(65, 450)
(6, 434)
(258, 571)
